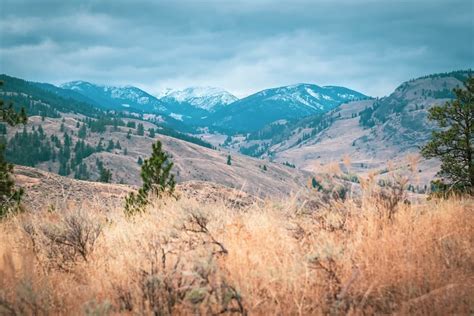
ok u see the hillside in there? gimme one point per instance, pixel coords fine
(277, 257)
(400, 120)
(192, 162)
(47, 191)
(43, 99)
(48, 100)
(369, 132)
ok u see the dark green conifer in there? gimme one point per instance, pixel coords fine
(157, 180)
(453, 144)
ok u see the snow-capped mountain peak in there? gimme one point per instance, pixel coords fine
(287, 102)
(116, 97)
(206, 98)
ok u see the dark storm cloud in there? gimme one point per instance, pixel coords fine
(242, 46)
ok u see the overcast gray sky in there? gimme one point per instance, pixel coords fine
(240, 45)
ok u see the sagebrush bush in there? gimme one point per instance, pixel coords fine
(66, 240)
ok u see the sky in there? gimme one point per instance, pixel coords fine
(243, 46)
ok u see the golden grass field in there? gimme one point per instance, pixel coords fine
(359, 256)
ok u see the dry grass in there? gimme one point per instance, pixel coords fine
(349, 257)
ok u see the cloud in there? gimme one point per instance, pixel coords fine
(243, 46)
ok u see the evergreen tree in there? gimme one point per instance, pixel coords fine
(316, 185)
(82, 133)
(129, 134)
(151, 132)
(28, 149)
(140, 161)
(110, 146)
(140, 130)
(125, 151)
(81, 172)
(229, 160)
(99, 146)
(453, 144)
(105, 175)
(10, 197)
(67, 140)
(117, 145)
(81, 151)
(157, 180)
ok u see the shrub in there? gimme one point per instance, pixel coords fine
(65, 242)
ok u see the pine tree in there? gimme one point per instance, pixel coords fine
(82, 133)
(157, 180)
(81, 172)
(9, 196)
(129, 134)
(316, 185)
(453, 144)
(151, 132)
(140, 161)
(117, 145)
(99, 146)
(105, 175)
(229, 160)
(110, 145)
(140, 130)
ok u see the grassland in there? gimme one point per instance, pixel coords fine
(300, 256)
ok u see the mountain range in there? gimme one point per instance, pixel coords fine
(303, 125)
(283, 103)
(116, 98)
(215, 107)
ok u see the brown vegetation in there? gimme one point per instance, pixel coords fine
(187, 257)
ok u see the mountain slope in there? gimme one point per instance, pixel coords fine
(373, 132)
(117, 98)
(45, 191)
(191, 162)
(283, 103)
(401, 119)
(44, 99)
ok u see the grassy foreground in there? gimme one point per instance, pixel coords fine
(183, 257)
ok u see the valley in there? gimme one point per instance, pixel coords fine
(311, 131)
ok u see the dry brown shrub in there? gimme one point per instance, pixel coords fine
(185, 257)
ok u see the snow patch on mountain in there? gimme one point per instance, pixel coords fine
(206, 98)
(116, 96)
(178, 117)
